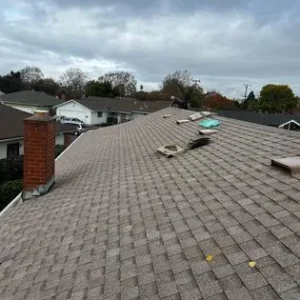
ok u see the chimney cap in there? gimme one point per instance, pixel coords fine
(40, 115)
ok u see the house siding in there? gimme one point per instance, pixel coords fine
(3, 147)
(3, 150)
(59, 140)
(96, 120)
(75, 110)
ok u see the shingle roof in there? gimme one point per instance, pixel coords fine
(122, 105)
(268, 119)
(12, 123)
(31, 98)
(123, 222)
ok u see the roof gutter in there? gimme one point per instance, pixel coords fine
(12, 139)
(21, 137)
(63, 103)
(25, 104)
(121, 111)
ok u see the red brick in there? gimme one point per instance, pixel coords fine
(39, 152)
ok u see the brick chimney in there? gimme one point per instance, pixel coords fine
(39, 155)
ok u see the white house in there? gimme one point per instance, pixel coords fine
(96, 110)
(12, 131)
(74, 109)
(30, 101)
(290, 125)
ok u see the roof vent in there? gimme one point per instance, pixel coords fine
(290, 163)
(170, 150)
(198, 142)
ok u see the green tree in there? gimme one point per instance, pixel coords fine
(250, 102)
(46, 85)
(194, 96)
(100, 89)
(180, 84)
(277, 98)
(11, 82)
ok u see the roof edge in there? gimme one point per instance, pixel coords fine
(18, 198)
(65, 103)
(11, 139)
(23, 104)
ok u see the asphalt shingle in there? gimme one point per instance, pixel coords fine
(123, 222)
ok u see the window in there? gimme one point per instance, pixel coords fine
(99, 114)
(13, 150)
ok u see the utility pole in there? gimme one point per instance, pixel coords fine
(196, 86)
(246, 91)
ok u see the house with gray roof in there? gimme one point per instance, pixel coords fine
(98, 110)
(267, 119)
(12, 132)
(122, 221)
(30, 101)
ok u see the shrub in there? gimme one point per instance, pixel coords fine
(11, 169)
(59, 149)
(8, 191)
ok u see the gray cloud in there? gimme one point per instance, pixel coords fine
(225, 42)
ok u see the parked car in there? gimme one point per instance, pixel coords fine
(80, 127)
(58, 118)
(64, 120)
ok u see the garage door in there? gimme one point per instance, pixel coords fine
(74, 114)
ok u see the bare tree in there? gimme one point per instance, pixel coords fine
(74, 79)
(124, 82)
(31, 75)
(174, 83)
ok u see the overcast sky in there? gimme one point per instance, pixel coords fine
(225, 43)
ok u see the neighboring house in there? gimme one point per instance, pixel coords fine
(94, 110)
(30, 101)
(124, 222)
(12, 131)
(267, 119)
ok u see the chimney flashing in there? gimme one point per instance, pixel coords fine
(38, 190)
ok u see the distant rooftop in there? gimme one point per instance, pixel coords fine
(268, 119)
(31, 98)
(121, 104)
(125, 222)
(12, 123)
